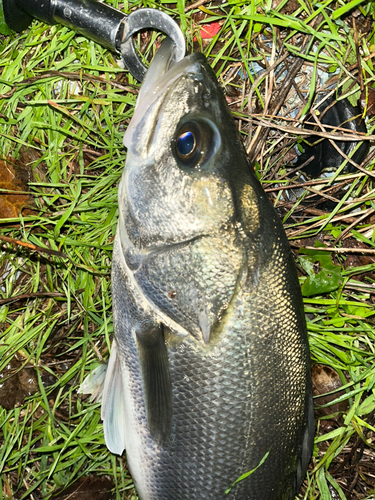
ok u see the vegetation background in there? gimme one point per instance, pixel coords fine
(65, 103)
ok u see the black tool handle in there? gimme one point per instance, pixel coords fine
(96, 20)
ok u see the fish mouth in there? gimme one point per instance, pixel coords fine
(161, 75)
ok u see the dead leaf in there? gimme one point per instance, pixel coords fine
(326, 379)
(14, 198)
(367, 100)
(16, 386)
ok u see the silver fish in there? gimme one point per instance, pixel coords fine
(209, 374)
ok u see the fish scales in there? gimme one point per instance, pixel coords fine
(211, 359)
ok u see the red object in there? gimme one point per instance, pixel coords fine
(209, 30)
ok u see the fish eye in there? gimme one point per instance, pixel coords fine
(188, 144)
(196, 141)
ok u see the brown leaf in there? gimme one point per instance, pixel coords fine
(290, 6)
(357, 260)
(13, 184)
(16, 386)
(326, 379)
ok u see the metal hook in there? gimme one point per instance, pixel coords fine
(154, 19)
(98, 21)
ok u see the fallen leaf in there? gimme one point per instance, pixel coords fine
(323, 275)
(326, 379)
(15, 385)
(367, 101)
(14, 198)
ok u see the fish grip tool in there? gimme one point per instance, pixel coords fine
(105, 25)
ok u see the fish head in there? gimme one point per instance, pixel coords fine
(187, 197)
(181, 158)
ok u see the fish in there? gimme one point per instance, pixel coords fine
(208, 384)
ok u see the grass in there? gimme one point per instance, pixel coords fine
(65, 103)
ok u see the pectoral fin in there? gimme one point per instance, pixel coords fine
(113, 407)
(94, 383)
(156, 378)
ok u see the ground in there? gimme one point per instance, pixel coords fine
(65, 103)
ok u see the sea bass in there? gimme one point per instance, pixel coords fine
(209, 374)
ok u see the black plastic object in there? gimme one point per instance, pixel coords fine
(16, 19)
(340, 114)
(98, 21)
(95, 20)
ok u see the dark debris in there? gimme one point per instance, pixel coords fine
(89, 488)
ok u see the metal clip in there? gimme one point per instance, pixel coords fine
(154, 19)
(100, 22)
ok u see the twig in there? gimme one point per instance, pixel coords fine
(35, 248)
(369, 251)
(31, 296)
(70, 76)
(355, 223)
(300, 185)
(306, 132)
(359, 64)
(253, 87)
(333, 143)
(320, 222)
(196, 5)
(31, 246)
